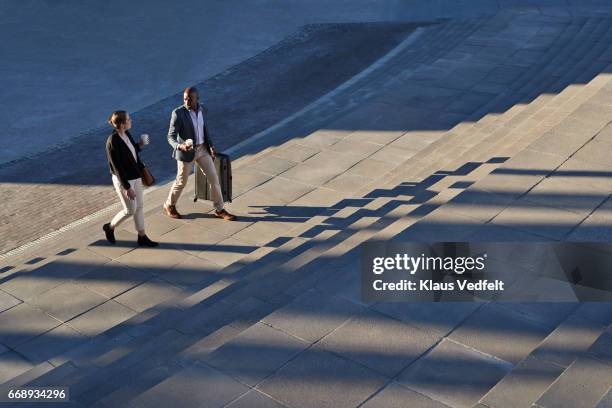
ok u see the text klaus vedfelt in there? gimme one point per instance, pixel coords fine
(411, 264)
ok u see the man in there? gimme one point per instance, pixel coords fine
(188, 122)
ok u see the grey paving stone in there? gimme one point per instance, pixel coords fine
(454, 374)
(227, 252)
(581, 385)
(13, 364)
(190, 271)
(601, 349)
(313, 174)
(51, 344)
(393, 154)
(148, 294)
(500, 332)
(285, 189)
(434, 317)
(191, 239)
(303, 149)
(190, 388)
(7, 301)
(28, 285)
(548, 314)
(112, 279)
(534, 218)
(600, 312)
(569, 341)
(151, 257)
(606, 400)
(347, 183)
(319, 139)
(272, 164)
(201, 349)
(23, 322)
(320, 379)
(68, 300)
(101, 318)
(355, 147)
(378, 342)
(523, 385)
(371, 168)
(255, 399)
(587, 172)
(255, 353)
(480, 205)
(372, 136)
(312, 315)
(320, 197)
(498, 233)
(396, 396)
(569, 195)
(125, 242)
(262, 232)
(245, 179)
(222, 227)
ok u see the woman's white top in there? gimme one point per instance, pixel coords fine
(129, 145)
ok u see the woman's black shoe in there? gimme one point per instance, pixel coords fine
(110, 233)
(145, 241)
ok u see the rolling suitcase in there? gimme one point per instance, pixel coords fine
(224, 171)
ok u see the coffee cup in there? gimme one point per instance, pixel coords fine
(145, 138)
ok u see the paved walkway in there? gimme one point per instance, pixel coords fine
(78, 189)
(267, 311)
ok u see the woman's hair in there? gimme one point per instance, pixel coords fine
(118, 118)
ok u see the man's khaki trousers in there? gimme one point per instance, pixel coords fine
(202, 157)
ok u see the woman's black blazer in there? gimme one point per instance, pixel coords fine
(121, 161)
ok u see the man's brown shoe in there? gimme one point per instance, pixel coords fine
(171, 212)
(225, 215)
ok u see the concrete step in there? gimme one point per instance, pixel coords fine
(531, 377)
(586, 381)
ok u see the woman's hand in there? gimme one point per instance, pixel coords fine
(130, 193)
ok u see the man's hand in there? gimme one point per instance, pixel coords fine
(183, 147)
(130, 193)
(213, 152)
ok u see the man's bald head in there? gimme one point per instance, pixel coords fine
(191, 97)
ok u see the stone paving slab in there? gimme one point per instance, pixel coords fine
(51, 344)
(378, 342)
(454, 374)
(312, 315)
(22, 323)
(147, 294)
(500, 332)
(527, 381)
(68, 300)
(28, 285)
(112, 279)
(320, 379)
(13, 364)
(256, 353)
(397, 396)
(581, 385)
(190, 388)
(7, 301)
(255, 399)
(102, 318)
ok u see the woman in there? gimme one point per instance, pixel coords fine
(126, 168)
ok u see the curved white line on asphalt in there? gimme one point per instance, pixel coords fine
(258, 136)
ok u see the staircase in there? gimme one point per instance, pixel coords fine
(481, 98)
